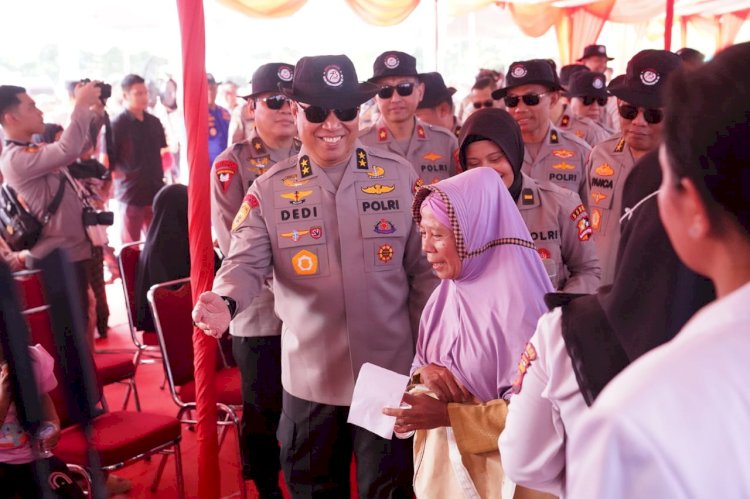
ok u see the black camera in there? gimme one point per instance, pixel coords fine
(93, 217)
(106, 90)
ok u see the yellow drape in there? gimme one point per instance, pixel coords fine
(383, 12)
(265, 8)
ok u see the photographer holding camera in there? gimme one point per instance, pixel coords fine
(35, 172)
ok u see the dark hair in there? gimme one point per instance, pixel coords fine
(483, 83)
(130, 80)
(691, 55)
(9, 98)
(50, 130)
(706, 130)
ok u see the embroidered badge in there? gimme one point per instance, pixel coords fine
(420, 132)
(378, 189)
(563, 166)
(620, 145)
(596, 218)
(333, 76)
(598, 83)
(418, 185)
(650, 77)
(382, 134)
(527, 357)
(565, 121)
(305, 170)
(378, 172)
(248, 203)
(604, 170)
(598, 196)
(362, 163)
(432, 156)
(580, 209)
(225, 171)
(527, 197)
(32, 148)
(293, 181)
(553, 138)
(518, 71)
(384, 226)
(212, 132)
(584, 229)
(295, 235)
(305, 262)
(316, 232)
(563, 153)
(391, 61)
(580, 134)
(385, 253)
(544, 253)
(259, 165)
(258, 144)
(296, 197)
(285, 73)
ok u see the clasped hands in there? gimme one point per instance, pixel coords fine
(425, 411)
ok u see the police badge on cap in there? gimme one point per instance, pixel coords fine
(533, 71)
(394, 63)
(644, 79)
(268, 77)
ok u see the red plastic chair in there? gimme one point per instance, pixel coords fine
(111, 367)
(120, 437)
(127, 259)
(171, 305)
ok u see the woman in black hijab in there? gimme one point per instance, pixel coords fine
(555, 217)
(166, 253)
(580, 347)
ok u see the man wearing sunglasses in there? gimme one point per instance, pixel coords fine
(430, 149)
(334, 224)
(551, 154)
(256, 341)
(587, 91)
(639, 103)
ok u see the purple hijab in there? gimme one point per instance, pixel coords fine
(478, 325)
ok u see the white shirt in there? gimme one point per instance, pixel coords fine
(532, 445)
(676, 422)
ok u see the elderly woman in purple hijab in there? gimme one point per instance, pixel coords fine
(473, 329)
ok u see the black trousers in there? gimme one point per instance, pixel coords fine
(316, 450)
(20, 480)
(259, 362)
(82, 269)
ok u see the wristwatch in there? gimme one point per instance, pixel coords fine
(231, 305)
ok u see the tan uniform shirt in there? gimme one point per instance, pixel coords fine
(583, 128)
(560, 228)
(350, 280)
(34, 172)
(610, 164)
(233, 172)
(561, 160)
(432, 150)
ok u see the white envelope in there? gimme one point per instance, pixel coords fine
(376, 388)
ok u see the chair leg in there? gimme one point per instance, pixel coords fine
(159, 472)
(130, 385)
(178, 469)
(136, 398)
(243, 487)
(81, 471)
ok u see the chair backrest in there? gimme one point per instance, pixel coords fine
(127, 259)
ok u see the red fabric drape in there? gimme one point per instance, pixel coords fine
(192, 27)
(668, 21)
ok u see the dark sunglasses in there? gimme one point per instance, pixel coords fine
(652, 116)
(275, 102)
(528, 99)
(403, 89)
(317, 114)
(588, 100)
(487, 103)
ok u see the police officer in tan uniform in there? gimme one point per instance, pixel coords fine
(437, 107)
(430, 149)
(256, 331)
(556, 218)
(587, 92)
(596, 59)
(333, 223)
(34, 172)
(639, 103)
(551, 155)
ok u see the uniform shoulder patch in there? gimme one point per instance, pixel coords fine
(362, 163)
(528, 356)
(579, 210)
(225, 170)
(248, 204)
(421, 133)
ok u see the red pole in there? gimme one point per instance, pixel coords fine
(193, 30)
(668, 25)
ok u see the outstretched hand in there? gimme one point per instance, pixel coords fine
(211, 314)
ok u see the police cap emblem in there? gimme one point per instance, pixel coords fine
(598, 83)
(518, 71)
(285, 73)
(391, 61)
(649, 77)
(332, 76)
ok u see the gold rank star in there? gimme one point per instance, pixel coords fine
(258, 146)
(362, 162)
(361, 155)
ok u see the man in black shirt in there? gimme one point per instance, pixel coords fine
(137, 140)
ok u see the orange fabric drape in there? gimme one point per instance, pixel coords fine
(457, 8)
(729, 26)
(383, 12)
(580, 26)
(266, 8)
(535, 19)
(193, 30)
